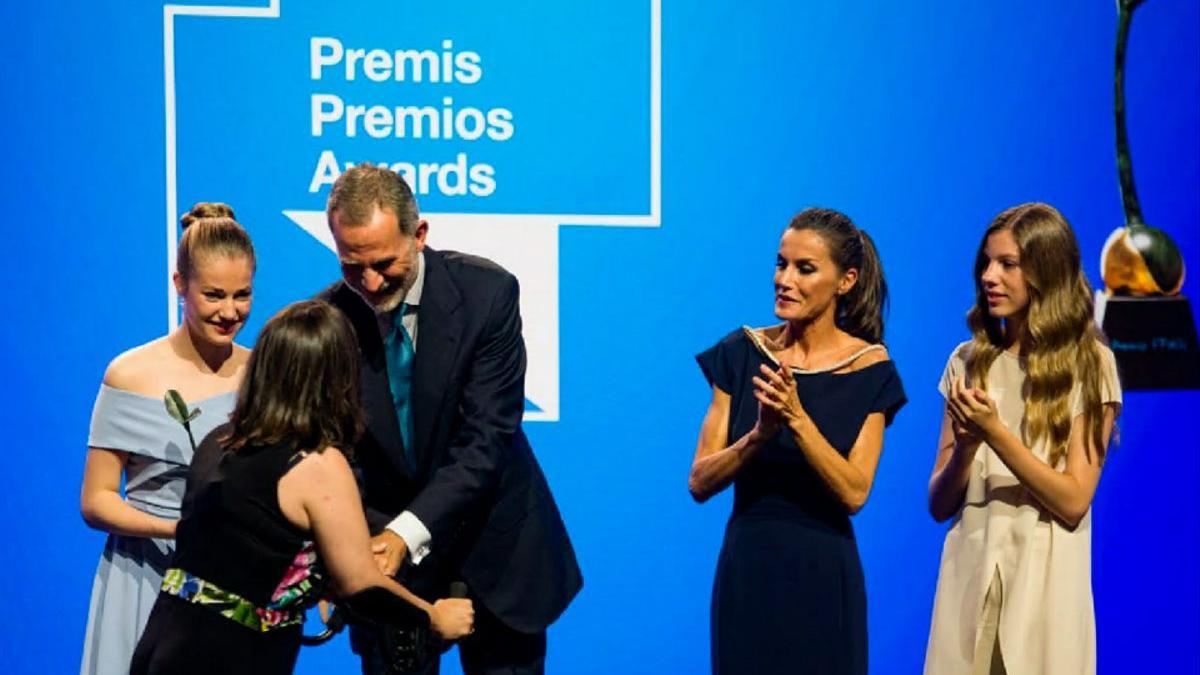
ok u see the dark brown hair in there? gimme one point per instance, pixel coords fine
(301, 383)
(361, 189)
(860, 311)
(209, 229)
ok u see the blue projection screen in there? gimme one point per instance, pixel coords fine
(634, 164)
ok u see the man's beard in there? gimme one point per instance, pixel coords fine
(389, 302)
(395, 297)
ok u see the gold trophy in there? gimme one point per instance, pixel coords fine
(1148, 323)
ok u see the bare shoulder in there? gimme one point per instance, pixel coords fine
(868, 355)
(771, 335)
(136, 370)
(334, 459)
(323, 466)
(240, 357)
(871, 357)
(859, 353)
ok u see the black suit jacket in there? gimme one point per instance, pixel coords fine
(476, 485)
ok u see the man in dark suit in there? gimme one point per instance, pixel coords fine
(451, 489)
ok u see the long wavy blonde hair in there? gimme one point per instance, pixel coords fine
(1063, 344)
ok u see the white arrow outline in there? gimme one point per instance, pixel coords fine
(271, 11)
(305, 219)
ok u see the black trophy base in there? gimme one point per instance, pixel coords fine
(1154, 340)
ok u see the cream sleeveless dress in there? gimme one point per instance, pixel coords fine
(1006, 548)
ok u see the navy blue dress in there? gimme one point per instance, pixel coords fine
(789, 595)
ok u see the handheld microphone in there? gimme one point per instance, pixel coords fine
(458, 589)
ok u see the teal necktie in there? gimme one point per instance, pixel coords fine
(399, 351)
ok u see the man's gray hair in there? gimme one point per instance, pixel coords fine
(363, 188)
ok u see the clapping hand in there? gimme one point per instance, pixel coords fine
(776, 394)
(973, 412)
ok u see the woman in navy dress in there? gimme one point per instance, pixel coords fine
(796, 425)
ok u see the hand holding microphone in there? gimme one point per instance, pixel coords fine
(453, 617)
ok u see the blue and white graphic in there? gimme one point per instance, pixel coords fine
(920, 122)
(507, 123)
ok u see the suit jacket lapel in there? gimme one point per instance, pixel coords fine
(439, 328)
(375, 391)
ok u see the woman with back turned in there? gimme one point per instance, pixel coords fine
(1030, 403)
(796, 425)
(132, 436)
(272, 506)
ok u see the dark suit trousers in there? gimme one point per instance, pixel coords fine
(493, 649)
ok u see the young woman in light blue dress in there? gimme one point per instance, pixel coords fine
(133, 436)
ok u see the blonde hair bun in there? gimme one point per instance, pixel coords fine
(206, 210)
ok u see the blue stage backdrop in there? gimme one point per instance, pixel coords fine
(634, 164)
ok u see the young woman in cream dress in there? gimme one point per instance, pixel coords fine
(1030, 405)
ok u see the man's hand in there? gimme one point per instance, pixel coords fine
(389, 550)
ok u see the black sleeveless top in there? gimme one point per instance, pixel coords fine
(233, 532)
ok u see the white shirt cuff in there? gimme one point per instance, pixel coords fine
(415, 535)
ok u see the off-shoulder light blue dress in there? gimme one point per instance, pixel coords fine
(131, 568)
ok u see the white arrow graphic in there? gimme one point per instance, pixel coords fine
(525, 244)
